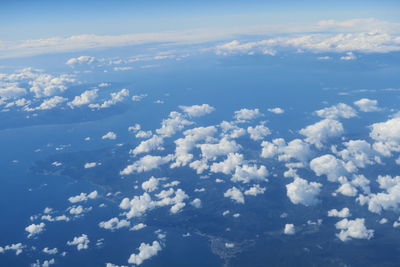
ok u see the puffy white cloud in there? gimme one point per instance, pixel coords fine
(359, 152)
(367, 105)
(389, 199)
(387, 136)
(247, 114)
(196, 203)
(110, 135)
(81, 242)
(289, 229)
(199, 165)
(175, 122)
(320, 132)
(137, 227)
(343, 213)
(18, 248)
(78, 210)
(11, 89)
(114, 223)
(89, 165)
(197, 110)
(85, 98)
(247, 173)
(146, 163)
(228, 165)
(223, 147)
(49, 103)
(347, 189)
(50, 251)
(35, 229)
(235, 194)
(151, 184)
(348, 56)
(80, 60)
(295, 149)
(255, 190)
(83, 197)
(276, 110)
(154, 143)
(301, 191)
(353, 229)
(46, 263)
(258, 132)
(146, 251)
(44, 85)
(328, 165)
(186, 144)
(340, 110)
(116, 97)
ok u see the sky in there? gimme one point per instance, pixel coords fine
(23, 20)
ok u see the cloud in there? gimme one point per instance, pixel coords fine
(360, 153)
(367, 105)
(49, 251)
(81, 242)
(228, 165)
(328, 165)
(223, 147)
(151, 184)
(137, 227)
(154, 143)
(83, 197)
(114, 223)
(319, 133)
(35, 229)
(302, 192)
(80, 60)
(197, 110)
(50, 103)
(247, 173)
(344, 213)
(258, 132)
(146, 163)
(235, 194)
(196, 203)
(116, 97)
(350, 229)
(175, 122)
(245, 114)
(276, 110)
(110, 135)
(348, 56)
(387, 136)
(18, 248)
(146, 251)
(255, 190)
(289, 229)
(85, 98)
(340, 110)
(89, 165)
(296, 149)
(44, 85)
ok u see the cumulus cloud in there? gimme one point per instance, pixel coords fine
(348, 56)
(174, 123)
(151, 184)
(116, 97)
(247, 173)
(340, 110)
(350, 229)
(276, 110)
(296, 149)
(245, 114)
(223, 147)
(387, 136)
(110, 136)
(235, 194)
(289, 229)
(146, 251)
(154, 143)
(197, 110)
(85, 98)
(360, 153)
(146, 163)
(343, 213)
(367, 105)
(328, 165)
(18, 248)
(319, 133)
(50, 103)
(83, 197)
(258, 132)
(80, 60)
(228, 165)
(81, 242)
(301, 191)
(255, 190)
(35, 229)
(114, 223)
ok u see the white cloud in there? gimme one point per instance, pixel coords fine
(301, 191)
(348, 56)
(247, 173)
(359, 152)
(116, 97)
(110, 135)
(197, 110)
(137, 227)
(245, 114)
(340, 110)
(343, 213)
(289, 229)
(258, 132)
(81, 242)
(18, 248)
(296, 149)
(235, 194)
(228, 165)
(35, 229)
(89, 165)
(85, 98)
(276, 110)
(367, 105)
(114, 223)
(328, 165)
(255, 190)
(224, 147)
(83, 197)
(146, 163)
(49, 103)
(175, 122)
(350, 229)
(387, 136)
(151, 184)
(50, 251)
(196, 203)
(80, 60)
(320, 132)
(154, 143)
(146, 251)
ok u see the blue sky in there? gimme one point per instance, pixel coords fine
(21, 20)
